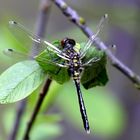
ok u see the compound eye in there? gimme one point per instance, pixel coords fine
(63, 42)
(71, 41)
(67, 41)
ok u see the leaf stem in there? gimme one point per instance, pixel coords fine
(73, 16)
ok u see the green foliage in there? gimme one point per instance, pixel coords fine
(54, 72)
(92, 76)
(23, 78)
(19, 81)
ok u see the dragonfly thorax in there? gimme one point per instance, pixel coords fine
(75, 63)
(67, 42)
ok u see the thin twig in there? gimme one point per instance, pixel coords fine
(80, 22)
(37, 108)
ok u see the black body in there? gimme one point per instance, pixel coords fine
(75, 69)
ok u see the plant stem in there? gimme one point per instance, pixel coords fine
(73, 16)
(36, 109)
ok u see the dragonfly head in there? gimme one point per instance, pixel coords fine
(67, 42)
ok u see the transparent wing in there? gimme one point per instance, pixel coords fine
(92, 38)
(91, 61)
(55, 62)
(15, 54)
(27, 37)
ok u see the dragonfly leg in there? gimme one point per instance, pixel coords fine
(57, 64)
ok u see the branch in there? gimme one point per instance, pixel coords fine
(73, 16)
(37, 108)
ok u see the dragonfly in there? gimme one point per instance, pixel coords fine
(68, 56)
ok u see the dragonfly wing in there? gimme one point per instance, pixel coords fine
(91, 61)
(93, 37)
(27, 38)
(23, 35)
(15, 54)
(48, 57)
(54, 61)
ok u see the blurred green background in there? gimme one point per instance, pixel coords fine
(113, 110)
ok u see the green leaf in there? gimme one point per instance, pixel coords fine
(94, 75)
(57, 73)
(20, 80)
